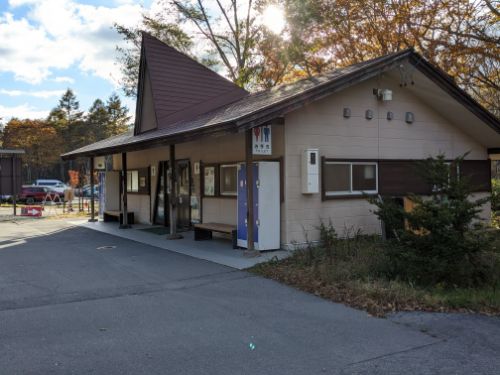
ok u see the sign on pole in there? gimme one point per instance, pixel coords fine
(261, 140)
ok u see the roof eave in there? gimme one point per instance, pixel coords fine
(218, 129)
(445, 82)
(10, 151)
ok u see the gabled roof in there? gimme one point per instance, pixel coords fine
(264, 106)
(181, 87)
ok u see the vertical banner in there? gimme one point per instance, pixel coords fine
(101, 190)
(261, 140)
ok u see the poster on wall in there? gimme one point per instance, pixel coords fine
(209, 181)
(262, 140)
(100, 163)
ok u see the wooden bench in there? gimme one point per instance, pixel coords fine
(204, 231)
(118, 216)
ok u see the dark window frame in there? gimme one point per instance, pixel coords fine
(141, 173)
(353, 194)
(470, 169)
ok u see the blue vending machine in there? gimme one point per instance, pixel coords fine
(266, 200)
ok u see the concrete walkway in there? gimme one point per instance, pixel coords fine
(217, 250)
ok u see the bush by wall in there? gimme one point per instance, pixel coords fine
(437, 242)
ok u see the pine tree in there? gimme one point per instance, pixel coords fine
(118, 116)
(436, 242)
(98, 120)
(67, 119)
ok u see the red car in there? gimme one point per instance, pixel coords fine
(31, 194)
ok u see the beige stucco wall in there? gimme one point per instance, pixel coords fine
(224, 149)
(322, 125)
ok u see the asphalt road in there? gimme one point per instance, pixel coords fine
(69, 306)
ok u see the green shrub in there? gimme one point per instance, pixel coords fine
(436, 243)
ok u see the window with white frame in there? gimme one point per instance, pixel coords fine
(350, 178)
(132, 181)
(228, 179)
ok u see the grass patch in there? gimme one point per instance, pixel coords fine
(352, 271)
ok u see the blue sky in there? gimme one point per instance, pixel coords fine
(50, 45)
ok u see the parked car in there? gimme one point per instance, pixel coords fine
(31, 194)
(57, 185)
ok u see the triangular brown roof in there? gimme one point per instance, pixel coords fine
(181, 87)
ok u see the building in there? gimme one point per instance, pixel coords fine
(356, 129)
(10, 175)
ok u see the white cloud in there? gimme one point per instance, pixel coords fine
(44, 94)
(22, 111)
(64, 79)
(56, 34)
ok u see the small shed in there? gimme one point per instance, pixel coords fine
(10, 173)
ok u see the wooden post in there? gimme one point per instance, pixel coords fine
(14, 185)
(124, 224)
(92, 196)
(250, 251)
(172, 199)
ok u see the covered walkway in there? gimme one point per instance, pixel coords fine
(217, 250)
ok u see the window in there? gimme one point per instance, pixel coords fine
(209, 181)
(132, 181)
(349, 178)
(228, 179)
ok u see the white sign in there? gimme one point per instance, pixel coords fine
(100, 162)
(261, 143)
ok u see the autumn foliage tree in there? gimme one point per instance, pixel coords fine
(460, 36)
(40, 141)
(66, 128)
